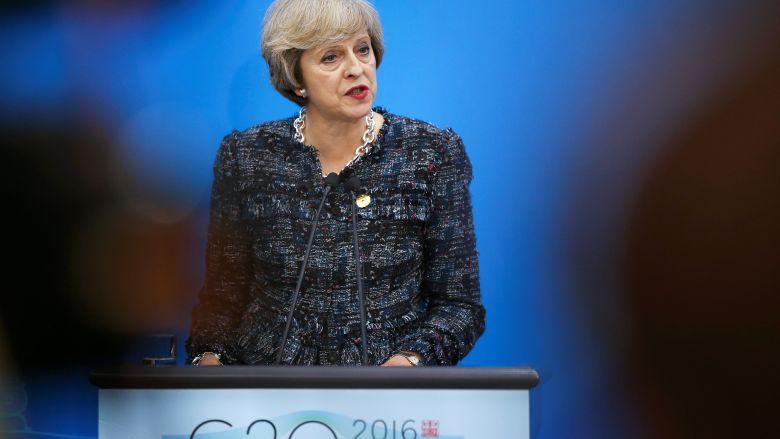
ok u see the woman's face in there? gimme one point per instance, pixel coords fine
(340, 78)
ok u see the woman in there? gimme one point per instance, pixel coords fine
(279, 290)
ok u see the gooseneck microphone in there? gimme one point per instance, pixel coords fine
(354, 185)
(331, 181)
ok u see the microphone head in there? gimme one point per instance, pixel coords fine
(353, 184)
(332, 179)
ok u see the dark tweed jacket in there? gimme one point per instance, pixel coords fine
(416, 239)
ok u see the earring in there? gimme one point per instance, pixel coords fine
(303, 93)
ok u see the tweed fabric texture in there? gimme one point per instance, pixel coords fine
(416, 239)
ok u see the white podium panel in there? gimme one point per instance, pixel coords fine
(313, 413)
(277, 402)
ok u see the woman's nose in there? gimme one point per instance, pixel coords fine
(352, 66)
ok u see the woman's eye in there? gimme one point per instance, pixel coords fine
(365, 50)
(329, 58)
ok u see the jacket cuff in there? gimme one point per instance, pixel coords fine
(432, 345)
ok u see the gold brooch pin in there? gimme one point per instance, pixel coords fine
(363, 200)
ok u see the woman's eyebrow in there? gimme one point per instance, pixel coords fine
(322, 50)
(338, 44)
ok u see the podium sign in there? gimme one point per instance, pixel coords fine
(314, 402)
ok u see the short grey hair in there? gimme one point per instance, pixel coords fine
(292, 26)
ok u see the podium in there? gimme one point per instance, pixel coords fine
(295, 402)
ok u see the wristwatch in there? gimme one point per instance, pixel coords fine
(411, 357)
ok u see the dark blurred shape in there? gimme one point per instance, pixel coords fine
(15, 7)
(12, 7)
(83, 275)
(45, 195)
(702, 269)
(130, 272)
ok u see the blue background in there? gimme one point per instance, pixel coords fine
(562, 106)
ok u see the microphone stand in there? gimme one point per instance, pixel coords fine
(353, 185)
(331, 181)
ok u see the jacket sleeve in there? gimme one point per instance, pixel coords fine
(224, 294)
(456, 317)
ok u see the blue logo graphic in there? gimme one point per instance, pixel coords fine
(305, 424)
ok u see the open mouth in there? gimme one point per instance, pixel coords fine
(356, 91)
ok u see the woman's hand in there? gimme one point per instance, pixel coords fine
(397, 360)
(401, 360)
(209, 359)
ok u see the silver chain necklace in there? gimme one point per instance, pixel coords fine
(368, 136)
